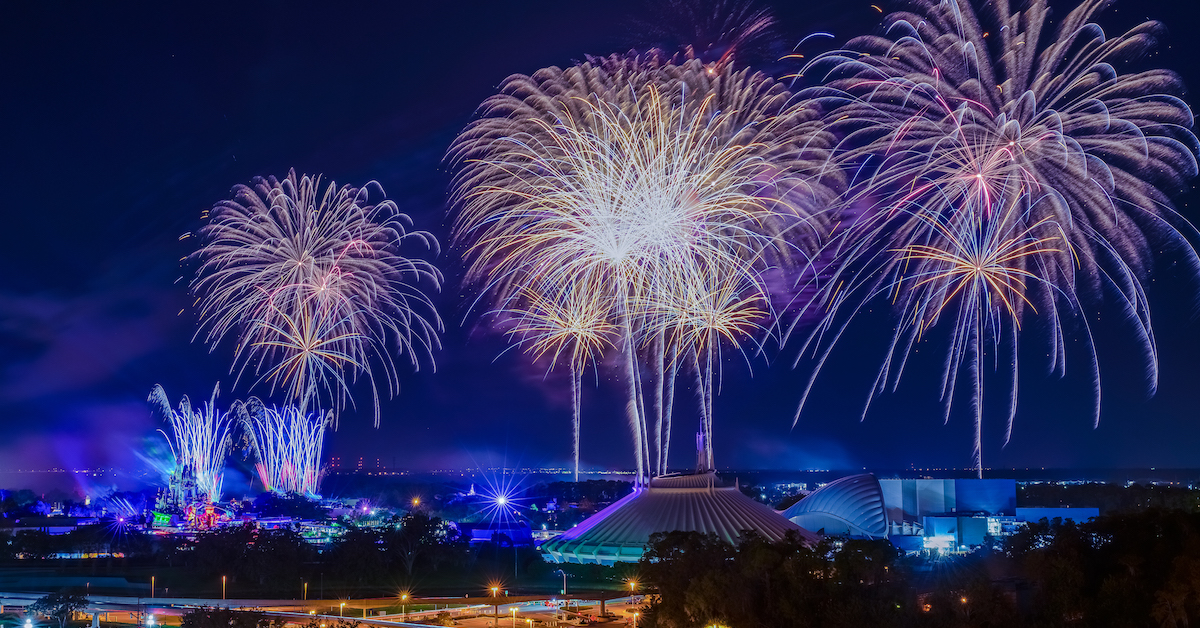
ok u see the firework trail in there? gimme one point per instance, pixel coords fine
(719, 34)
(287, 443)
(314, 288)
(200, 440)
(959, 123)
(606, 185)
(575, 327)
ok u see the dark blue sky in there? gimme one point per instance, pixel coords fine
(120, 123)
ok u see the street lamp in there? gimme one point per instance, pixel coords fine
(222, 587)
(341, 609)
(496, 606)
(513, 609)
(152, 587)
(635, 618)
(306, 591)
(564, 575)
(404, 605)
(150, 621)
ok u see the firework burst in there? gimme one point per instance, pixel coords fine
(605, 185)
(314, 287)
(1003, 163)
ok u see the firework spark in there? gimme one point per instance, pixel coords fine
(315, 289)
(287, 444)
(200, 440)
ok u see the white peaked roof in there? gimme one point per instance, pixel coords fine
(691, 503)
(851, 505)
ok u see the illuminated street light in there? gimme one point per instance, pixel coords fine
(222, 587)
(341, 609)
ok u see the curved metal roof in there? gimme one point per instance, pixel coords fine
(700, 503)
(852, 504)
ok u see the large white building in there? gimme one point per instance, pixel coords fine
(697, 503)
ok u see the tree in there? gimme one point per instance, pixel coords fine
(223, 618)
(33, 544)
(60, 606)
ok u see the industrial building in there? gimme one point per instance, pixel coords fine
(922, 514)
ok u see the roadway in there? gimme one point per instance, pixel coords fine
(477, 612)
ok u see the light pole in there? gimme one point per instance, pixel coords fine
(306, 591)
(341, 609)
(564, 575)
(635, 618)
(222, 587)
(404, 605)
(513, 610)
(152, 587)
(496, 606)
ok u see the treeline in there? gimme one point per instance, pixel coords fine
(1123, 571)
(1109, 498)
(259, 562)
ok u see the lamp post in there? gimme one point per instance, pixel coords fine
(513, 610)
(341, 609)
(635, 618)
(222, 587)
(496, 606)
(404, 605)
(305, 591)
(152, 587)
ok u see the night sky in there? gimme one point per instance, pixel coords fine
(121, 123)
